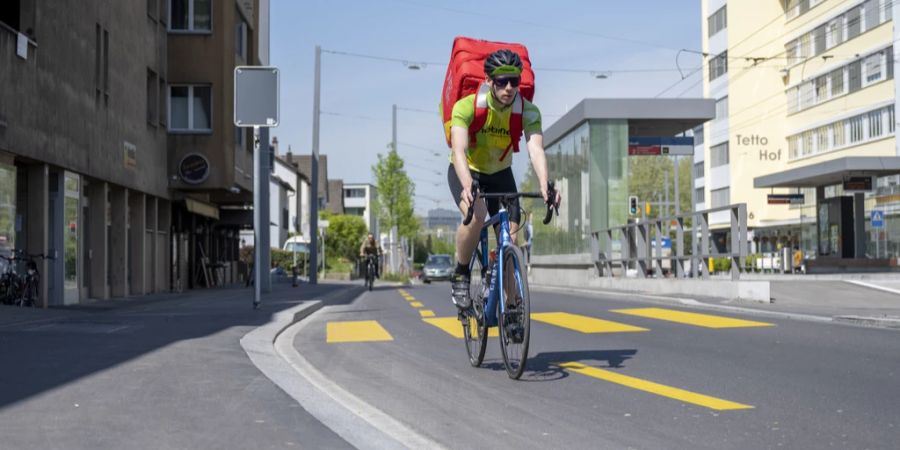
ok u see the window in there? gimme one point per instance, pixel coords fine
(837, 82)
(854, 76)
(152, 97)
(822, 139)
(698, 135)
(875, 125)
(821, 89)
(793, 146)
(853, 23)
(856, 129)
(807, 97)
(698, 170)
(721, 108)
(872, 12)
(162, 102)
(240, 37)
(718, 66)
(835, 33)
(818, 40)
(873, 68)
(355, 211)
(717, 21)
(190, 108)
(890, 119)
(720, 197)
(839, 133)
(718, 155)
(190, 15)
(355, 193)
(699, 195)
(808, 142)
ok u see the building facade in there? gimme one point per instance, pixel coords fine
(359, 200)
(118, 159)
(800, 84)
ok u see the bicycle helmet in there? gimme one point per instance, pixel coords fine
(503, 62)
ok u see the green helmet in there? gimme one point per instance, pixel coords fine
(503, 62)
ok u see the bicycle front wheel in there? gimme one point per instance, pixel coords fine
(474, 330)
(515, 322)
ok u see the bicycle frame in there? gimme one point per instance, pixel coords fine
(496, 282)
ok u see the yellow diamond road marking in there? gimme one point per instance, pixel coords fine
(700, 320)
(416, 304)
(361, 331)
(452, 326)
(583, 324)
(426, 313)
(655, 388)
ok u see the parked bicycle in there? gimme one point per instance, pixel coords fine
(21, 290)
(500, 300)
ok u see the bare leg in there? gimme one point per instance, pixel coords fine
(467, 235)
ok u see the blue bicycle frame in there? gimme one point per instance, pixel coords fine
(496, 282)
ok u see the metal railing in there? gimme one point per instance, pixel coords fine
(637, 251)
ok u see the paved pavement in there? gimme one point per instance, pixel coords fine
(160, 372)
(595, 381)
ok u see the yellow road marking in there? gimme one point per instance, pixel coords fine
(655, 388)
(426, 313)
(416, 304)
(583, 324)
(700, 320)
(356, 331)
(452, 326)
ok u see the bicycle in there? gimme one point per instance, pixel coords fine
(370, 272)
(10, 281)
(488, 291)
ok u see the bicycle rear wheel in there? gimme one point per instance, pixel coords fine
(474, 329)
(515, 323)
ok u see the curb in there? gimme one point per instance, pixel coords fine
(357, 422)
(873, 322)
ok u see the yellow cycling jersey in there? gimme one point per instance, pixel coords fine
(493, 138)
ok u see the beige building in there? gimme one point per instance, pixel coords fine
(805, 99)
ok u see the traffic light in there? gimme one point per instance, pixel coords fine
(633, 205)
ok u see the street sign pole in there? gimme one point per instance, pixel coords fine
(256, 106)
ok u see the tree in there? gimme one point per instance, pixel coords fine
(394, 203)
(345, 234)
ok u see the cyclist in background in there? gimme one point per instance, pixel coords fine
(370, 246)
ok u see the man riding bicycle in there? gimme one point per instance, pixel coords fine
(371, 247)
(488, 161)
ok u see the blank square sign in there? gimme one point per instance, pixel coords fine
(256, 96)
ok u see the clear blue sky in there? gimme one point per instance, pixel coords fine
(564, 34)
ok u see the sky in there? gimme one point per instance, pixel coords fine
(569, 42)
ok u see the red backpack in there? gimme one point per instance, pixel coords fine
(465, 76)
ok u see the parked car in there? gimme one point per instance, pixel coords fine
(437, 267)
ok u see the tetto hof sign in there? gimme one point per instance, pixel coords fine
(193, 168)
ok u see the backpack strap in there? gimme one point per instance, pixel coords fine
(516, 126)
(481, 113)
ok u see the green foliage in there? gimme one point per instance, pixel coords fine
(344, 235)
(394, 203)
(396, 277)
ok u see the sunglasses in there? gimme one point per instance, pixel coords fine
(501, 82)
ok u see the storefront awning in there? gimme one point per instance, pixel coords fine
(202, 208)
(831, 172)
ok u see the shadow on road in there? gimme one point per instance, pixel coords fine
(545, 366)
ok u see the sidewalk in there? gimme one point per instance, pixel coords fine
(161, 371)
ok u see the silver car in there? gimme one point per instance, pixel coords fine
(437, 267)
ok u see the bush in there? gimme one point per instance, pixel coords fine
(344, 236)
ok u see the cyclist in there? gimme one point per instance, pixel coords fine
(371, 247)
(483, 163)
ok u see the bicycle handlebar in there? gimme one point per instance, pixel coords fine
(551, 194)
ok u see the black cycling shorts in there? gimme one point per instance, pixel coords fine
(502, 181)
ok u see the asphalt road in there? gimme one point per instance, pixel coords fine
(674, 382)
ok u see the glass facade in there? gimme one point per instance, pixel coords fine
(590, 168)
